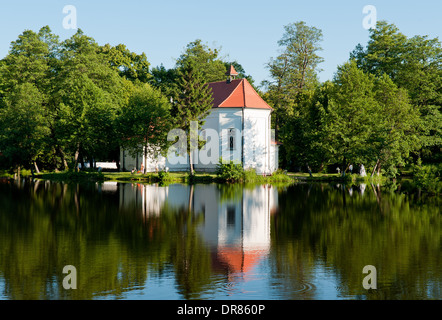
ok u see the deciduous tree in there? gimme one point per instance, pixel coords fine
(145, 122)
(414, 64)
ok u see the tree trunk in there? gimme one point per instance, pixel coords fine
(77, 154)
(346, 166)
(374, 169)
(191, 163)
(145, 159)
(65, 164)
(36, 167)
(309, 171)
(63, 159)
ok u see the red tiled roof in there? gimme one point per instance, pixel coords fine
(236, 94)
(239, 260)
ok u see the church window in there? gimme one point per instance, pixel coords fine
(231, 139)
(231, 213)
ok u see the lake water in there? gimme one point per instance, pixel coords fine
(208, 241)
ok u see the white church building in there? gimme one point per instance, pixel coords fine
(237, 128)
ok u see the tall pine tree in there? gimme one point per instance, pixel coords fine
(192, 105)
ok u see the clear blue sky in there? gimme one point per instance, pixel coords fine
(245, 30)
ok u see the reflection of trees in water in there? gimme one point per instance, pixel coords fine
(45, 226)
(388, 230)
(190, 256)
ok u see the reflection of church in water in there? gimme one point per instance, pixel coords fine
(235, 227)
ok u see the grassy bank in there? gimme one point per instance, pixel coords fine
(330, 177)
(165, 177)
(5, 174)
(85, 176)
(184, 177)
(245, 177)
(160, 177)
(69, 176)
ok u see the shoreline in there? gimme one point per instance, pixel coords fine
(184, 177)
(404, 183)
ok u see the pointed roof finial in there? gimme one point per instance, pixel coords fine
(231, 73)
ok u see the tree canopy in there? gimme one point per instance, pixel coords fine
(414, 64)
(66, 102)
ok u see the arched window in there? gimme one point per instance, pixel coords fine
(231, 140)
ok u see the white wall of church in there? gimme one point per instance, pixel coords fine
(138, 162)
(257, 140)
(220, 122)
(226, 123)
(257, 137)
(129, 162)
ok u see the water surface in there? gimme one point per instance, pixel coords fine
(208, 241)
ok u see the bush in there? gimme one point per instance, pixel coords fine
(250, 175)
(164, 176)
(280, 176)
(75, 177)
(230, 172)
(390, 172)
(427, 177)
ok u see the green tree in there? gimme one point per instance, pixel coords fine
(165, 80)
(25, 63)
(27, 70)
(384, 51)
(293, 82)
(396, 134)
(305, 134)
(294, 71)
(145, 122)
(205, 59)
(414, 64)
(193, 103)
(88, 95)
(369, 120)
(352, 115)
(22, 126)
(128, 64)
(81, 89)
